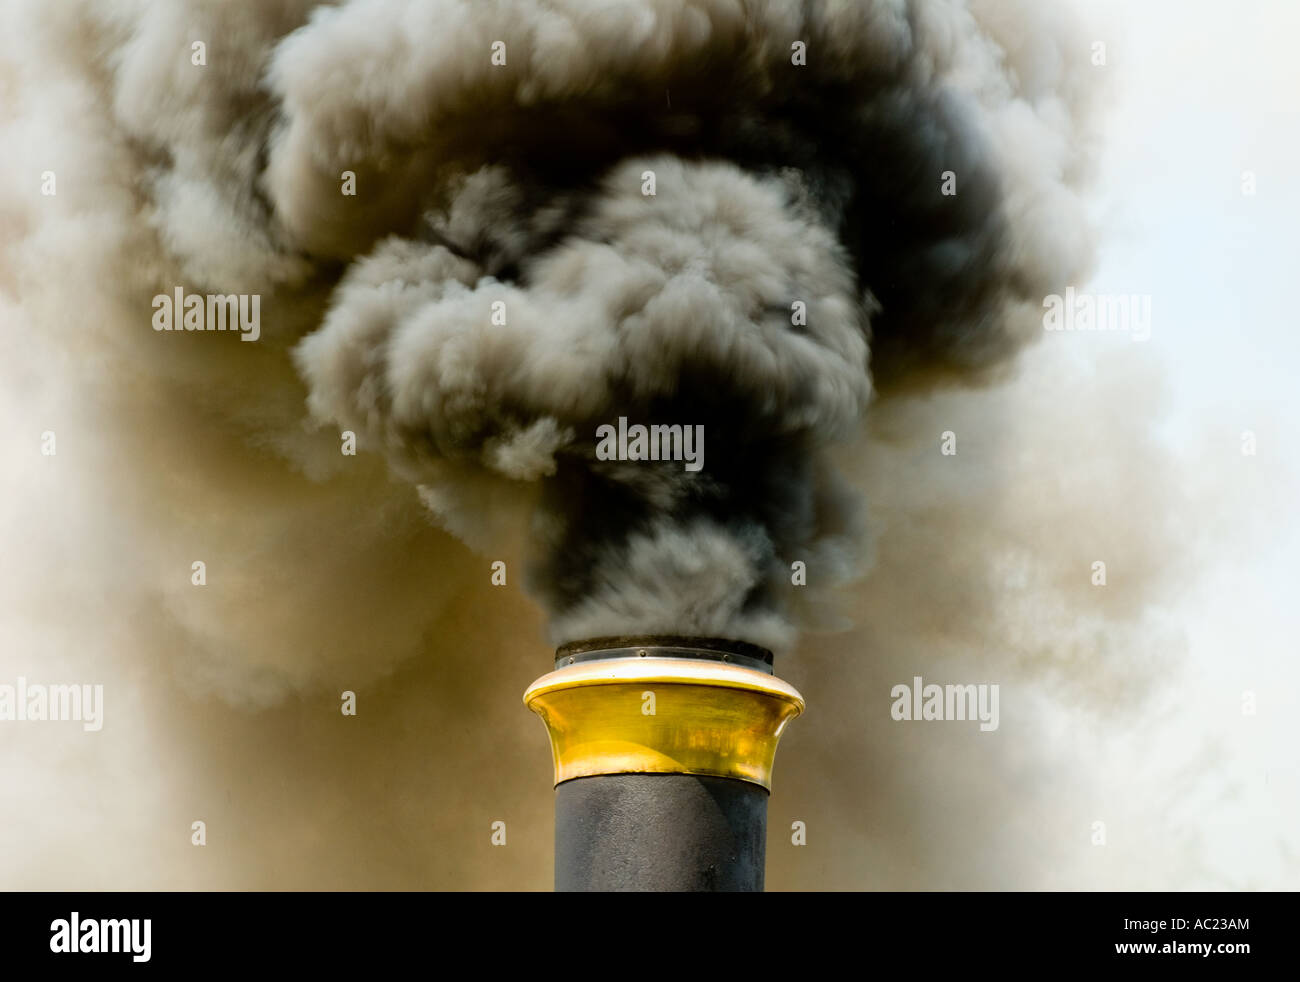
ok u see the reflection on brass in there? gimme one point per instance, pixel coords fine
(700, 717)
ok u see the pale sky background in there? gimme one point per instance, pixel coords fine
(1204, 92)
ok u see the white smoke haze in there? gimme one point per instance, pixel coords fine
(523, 183)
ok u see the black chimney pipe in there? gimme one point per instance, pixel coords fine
(663, 751)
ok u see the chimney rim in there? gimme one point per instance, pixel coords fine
(741, 653)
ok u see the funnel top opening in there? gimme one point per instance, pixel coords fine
(665, 646)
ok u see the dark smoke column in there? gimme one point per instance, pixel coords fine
(663, 753)
(749, 217)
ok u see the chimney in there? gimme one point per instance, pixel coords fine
(663, 750)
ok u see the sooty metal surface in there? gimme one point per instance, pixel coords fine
(659, 832)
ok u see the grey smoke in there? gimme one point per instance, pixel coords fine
(326, 574)
(518, 189)
(521, 184)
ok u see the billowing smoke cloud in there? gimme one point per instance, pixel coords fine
(841, 193)
(523, 183)
(677, 213)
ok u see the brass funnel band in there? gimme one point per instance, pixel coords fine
(663, 716)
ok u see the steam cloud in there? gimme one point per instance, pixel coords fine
(520, 188)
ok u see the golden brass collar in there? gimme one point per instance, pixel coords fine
(664, 716)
